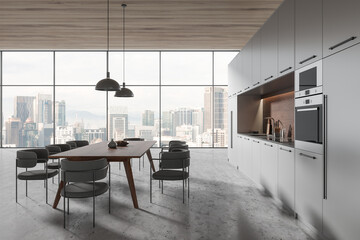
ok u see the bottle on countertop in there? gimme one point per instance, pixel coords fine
(289, 135)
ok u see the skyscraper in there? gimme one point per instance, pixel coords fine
(118, 122)
(43, 108)
(60, 117)
(148, 118)
(24, 107)
(13, 126)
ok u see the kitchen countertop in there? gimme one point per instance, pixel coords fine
(264, 137)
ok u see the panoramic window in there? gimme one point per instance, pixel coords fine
(49, 97)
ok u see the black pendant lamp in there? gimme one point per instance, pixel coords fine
(124, 92)
(107, 84)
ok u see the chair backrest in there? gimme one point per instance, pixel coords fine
(26, 159)
(81, 143)
(83, 171)
(63, 147)
(177, 159)
(53, 149)
(72, 144)
(134, 139)
(176, 142)
(178, 146)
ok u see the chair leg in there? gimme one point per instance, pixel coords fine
(151, 185)
(64, 208)
(16, 185)
(109, 189)
(139, 165)
(68, 203)
(183, 190)
(143, 161)
(93, 210)
(26, 187)
(162, 187)
(189, 187)
(46, 190)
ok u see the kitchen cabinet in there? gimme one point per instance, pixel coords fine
(234, 75)
(341, 208)
(308, 32)
(232, 104)
(286, 176)
(269, 165)
(309, 187)
(238, 152)
(269, 49)
(247, 159)
(246, 70)
(341, 23)
(256, 160)
(256, 59)
(286, 37)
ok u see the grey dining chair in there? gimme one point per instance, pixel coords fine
(54, 149)
(81, 180)
(174, 166)
(136, 139)
(28, 159)
(78, 143)
(72, 144)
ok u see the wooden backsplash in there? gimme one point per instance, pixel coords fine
(280, 107)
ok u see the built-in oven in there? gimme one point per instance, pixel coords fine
(308, 80)
(309, 123)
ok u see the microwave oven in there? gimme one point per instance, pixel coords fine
(308, 80)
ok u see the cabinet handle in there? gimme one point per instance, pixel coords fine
(256, 83)
(308, 59)
(256, 141)
(286, 69)
(246, 88)
(239, 91)
(285, 149)
(268, 78)
(270, 145)
(246, 138)
(342, 43)
(308, 156)
(325, 144)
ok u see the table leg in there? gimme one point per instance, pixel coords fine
(131, 183)
(148, 154)
(58, 195)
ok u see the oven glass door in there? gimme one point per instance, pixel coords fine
(308, 125)
(308, 79)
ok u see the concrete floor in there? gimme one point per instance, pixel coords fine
(224, 204)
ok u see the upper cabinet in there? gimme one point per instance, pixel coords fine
(341, 25)
(246, 74)
(269, 49)
(308, 31)
(255, 58)
(234, 75)
(286, 37)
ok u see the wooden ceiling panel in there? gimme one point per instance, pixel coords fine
(159, 24)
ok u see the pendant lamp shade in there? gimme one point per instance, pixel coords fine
(124, 92)
(107, 84)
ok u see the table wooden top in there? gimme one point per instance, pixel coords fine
(135, 149)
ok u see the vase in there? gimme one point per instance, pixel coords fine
(112, 144)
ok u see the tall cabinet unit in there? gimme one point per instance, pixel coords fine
(286, 37)
(234, 75)
(308, 32)
(341, 208)
(269, 49)
(341, 25)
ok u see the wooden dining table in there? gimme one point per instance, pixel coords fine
(135, 149)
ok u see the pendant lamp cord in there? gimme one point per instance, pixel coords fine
(123, 5)
(108, 35)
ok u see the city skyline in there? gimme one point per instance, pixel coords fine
(32, 120)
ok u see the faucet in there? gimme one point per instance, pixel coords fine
(270, 126)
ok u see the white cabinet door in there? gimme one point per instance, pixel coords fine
(309, 187)
(247, 157)
(246, 67)
(286, 176)
(238, 151)
(286, 39)
(256, 59)
(269, 51)
(342, 208)
(232, 111)
(308, 32)
(234, 75)
(269, 168)
(341, 25)
(256, 160)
